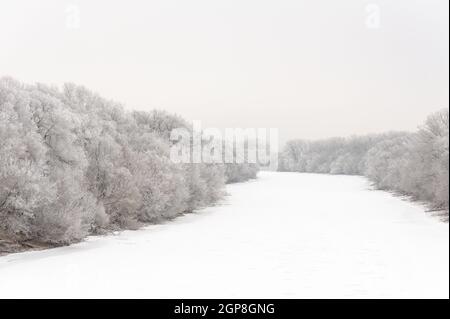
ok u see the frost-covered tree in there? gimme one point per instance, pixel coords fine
(433, 147)
(415, 164)
(48, 164)
(25, 186)
(332, 156)
(73, 163)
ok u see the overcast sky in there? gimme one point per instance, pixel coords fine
(312, 68)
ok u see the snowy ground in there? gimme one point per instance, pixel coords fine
(285, 235)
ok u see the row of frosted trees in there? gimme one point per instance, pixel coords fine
(74, 164)
(414, 164)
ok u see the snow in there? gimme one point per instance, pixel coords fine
(285, 235)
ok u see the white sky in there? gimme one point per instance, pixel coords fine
(311, 68)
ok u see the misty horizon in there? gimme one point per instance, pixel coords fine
(296, 63)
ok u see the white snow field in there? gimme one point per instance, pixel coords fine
(285, 235)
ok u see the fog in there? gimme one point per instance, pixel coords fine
(313, 69)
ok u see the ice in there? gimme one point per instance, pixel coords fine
(284, 235)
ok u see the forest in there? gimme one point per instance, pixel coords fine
(414, 164)
(74, 164)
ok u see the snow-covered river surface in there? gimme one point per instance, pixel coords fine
(285, 235)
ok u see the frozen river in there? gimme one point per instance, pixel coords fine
(285, 235)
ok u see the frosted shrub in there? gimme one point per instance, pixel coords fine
(73, 164)
(415, 164)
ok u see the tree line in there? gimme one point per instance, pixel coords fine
(414, 164)
(73, 164)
